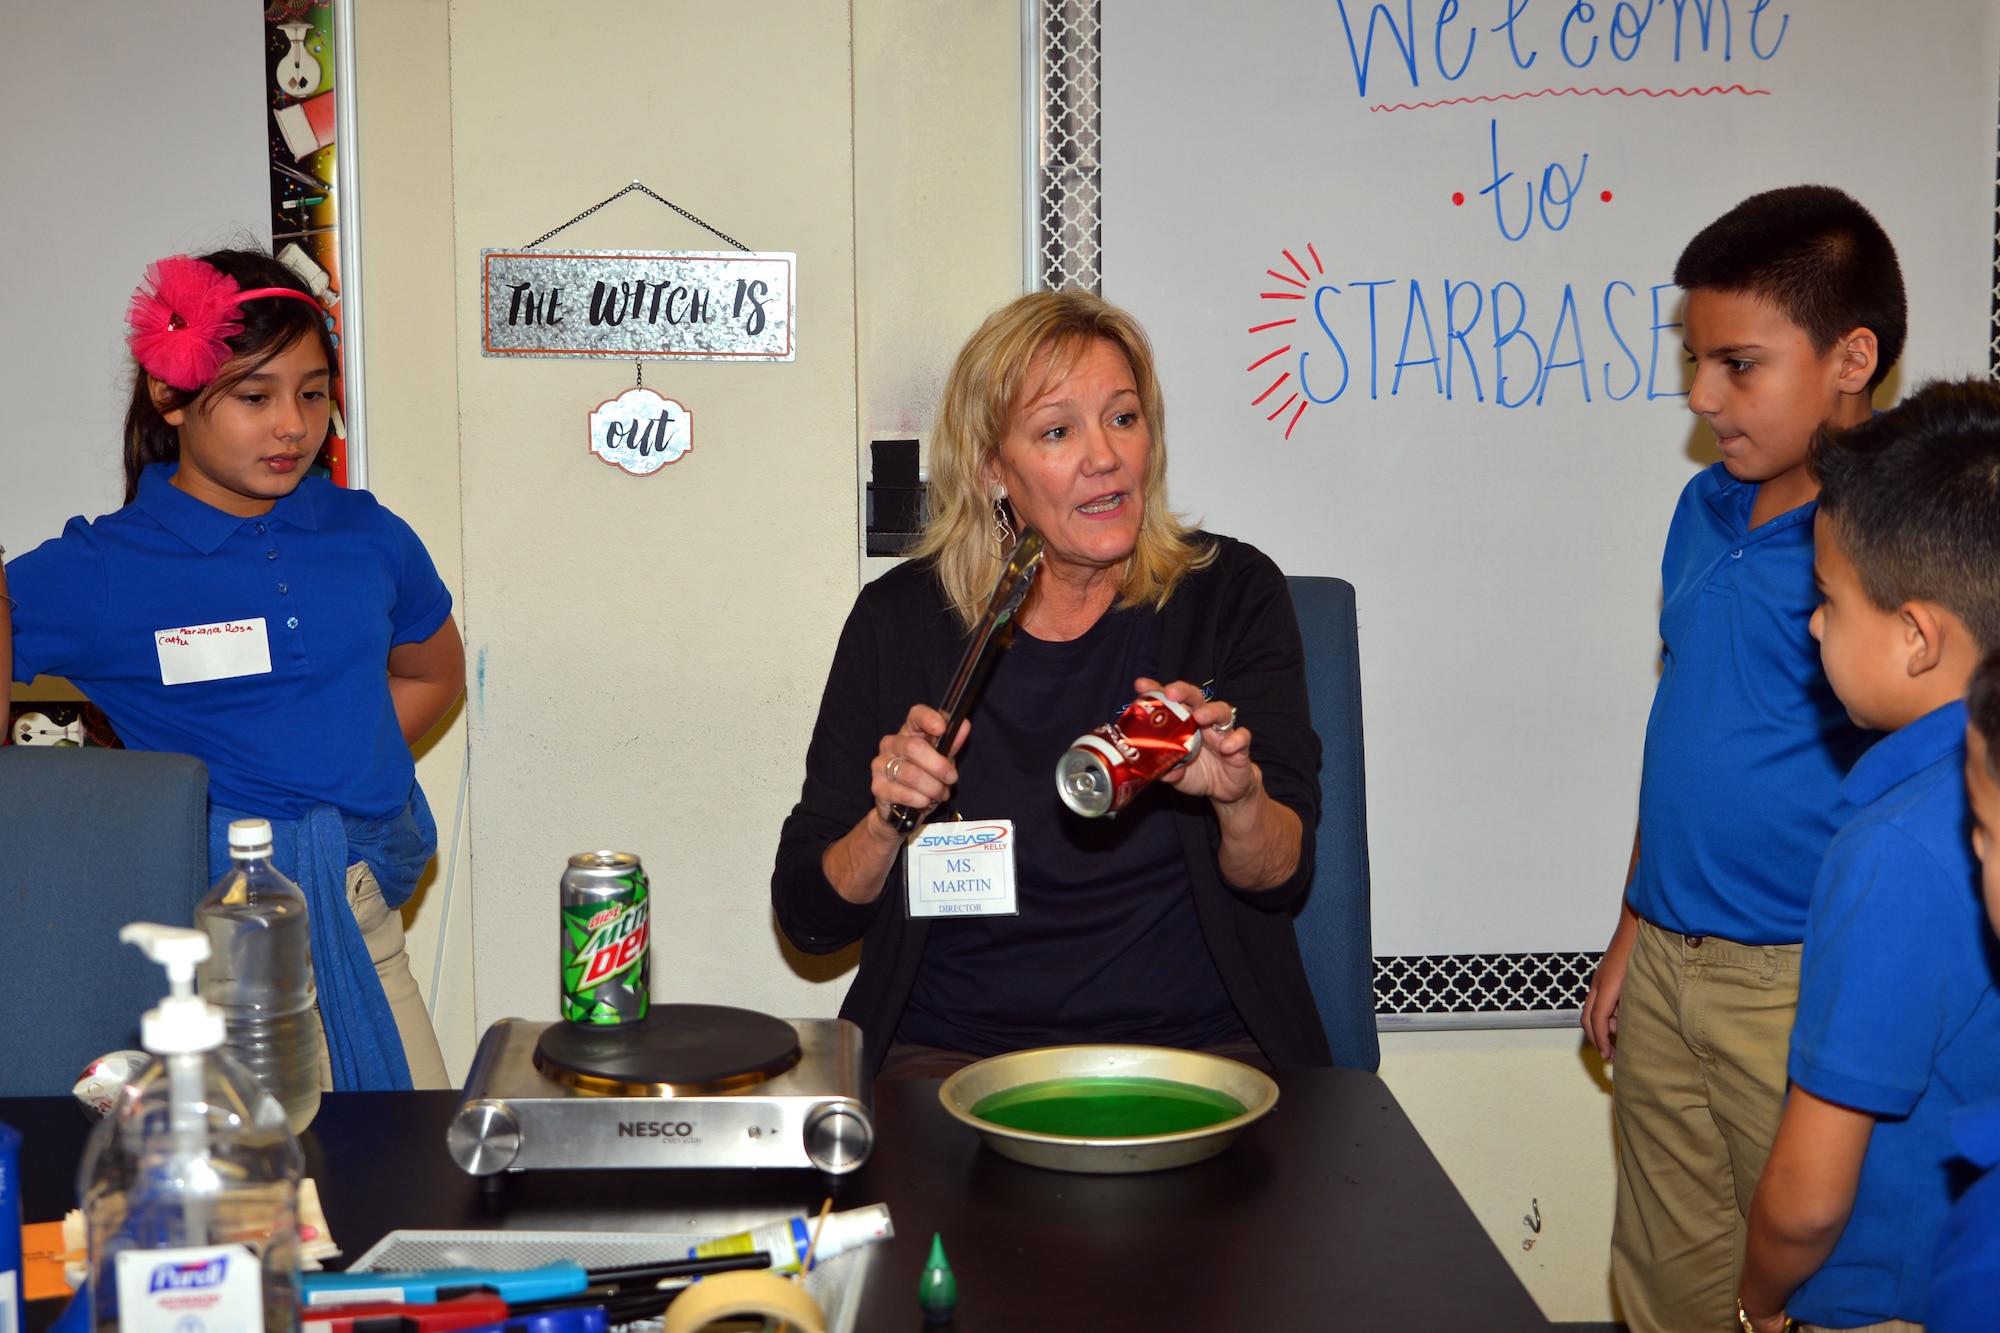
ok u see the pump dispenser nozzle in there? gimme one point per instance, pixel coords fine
(184, 1022)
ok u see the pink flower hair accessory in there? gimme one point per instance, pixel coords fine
(183, 316)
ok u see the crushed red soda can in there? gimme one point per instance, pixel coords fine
(1108, 766)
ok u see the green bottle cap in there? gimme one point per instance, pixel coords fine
(937, 1290)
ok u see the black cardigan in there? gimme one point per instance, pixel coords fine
(1231, 622)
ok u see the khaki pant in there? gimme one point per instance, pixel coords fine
(382, 931)
(1704, 1026)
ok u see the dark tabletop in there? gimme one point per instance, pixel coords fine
(1329, 1213)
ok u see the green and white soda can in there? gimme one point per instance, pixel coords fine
(606, 939)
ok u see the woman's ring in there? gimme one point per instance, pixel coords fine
(1230, 725)
(893, 768)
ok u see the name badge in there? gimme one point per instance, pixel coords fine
(222, 651)
(962, 869)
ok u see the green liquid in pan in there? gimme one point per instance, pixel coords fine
(1108, 1108)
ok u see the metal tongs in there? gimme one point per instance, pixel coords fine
(1008, 593)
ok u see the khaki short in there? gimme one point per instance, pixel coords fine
(382, 931)
(1704, 1028)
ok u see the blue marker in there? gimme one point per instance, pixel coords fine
(430, 1285)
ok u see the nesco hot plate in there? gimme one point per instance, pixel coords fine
(689, 1085)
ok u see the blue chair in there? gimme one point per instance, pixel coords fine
(89, 840)
(1333, 926)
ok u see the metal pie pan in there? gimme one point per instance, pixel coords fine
(974, 1083)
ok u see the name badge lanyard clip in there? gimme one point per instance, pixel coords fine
(1008, 593)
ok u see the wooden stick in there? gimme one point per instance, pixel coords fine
(805, 1265)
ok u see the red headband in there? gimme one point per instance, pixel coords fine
(183, 315)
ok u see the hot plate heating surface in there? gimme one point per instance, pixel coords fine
(676, 1049)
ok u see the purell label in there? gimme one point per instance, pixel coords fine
(211, 1289)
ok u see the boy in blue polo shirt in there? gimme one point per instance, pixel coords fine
(1899, 1015)
(1965, 1288)
(1794, 313)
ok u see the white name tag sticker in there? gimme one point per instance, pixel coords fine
(962, 869)
(221, 651)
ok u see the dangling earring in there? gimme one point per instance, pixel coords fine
(1003, 527)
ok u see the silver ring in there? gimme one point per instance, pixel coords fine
(1230, 725)
(892, 769)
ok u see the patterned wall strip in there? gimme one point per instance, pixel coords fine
(1068, 204)
(1483, 983)
(1993, 348)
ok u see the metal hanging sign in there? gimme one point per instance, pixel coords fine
(640, 432)
(687, 305)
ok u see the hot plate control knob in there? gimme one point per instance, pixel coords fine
(485, 1138)
(838, 1137)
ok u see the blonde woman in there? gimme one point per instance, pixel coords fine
(1169, 924)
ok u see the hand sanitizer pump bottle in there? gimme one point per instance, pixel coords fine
(190, 1185)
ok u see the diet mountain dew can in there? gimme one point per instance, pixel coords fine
(606, 930)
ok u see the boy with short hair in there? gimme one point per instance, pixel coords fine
(1899, 1015)
(1794, 313)
(1965, 1287)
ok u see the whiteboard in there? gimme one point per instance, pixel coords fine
(128, 130)
(1501, 508)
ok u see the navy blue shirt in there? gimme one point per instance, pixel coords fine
(1965, 1290)
(337, 580)
(1746, 745)
(1898, 1013)
(1107, 946)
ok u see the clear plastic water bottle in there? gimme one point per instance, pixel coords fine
(190, 1185)
(260, 972)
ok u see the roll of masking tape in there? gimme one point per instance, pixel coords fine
(728, 1295)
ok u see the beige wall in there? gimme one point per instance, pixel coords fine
(409, 273)
(937, 197)
(647, 653)
(1521, 1120)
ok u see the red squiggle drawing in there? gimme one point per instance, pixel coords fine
(1284, 376)
(1714, 90)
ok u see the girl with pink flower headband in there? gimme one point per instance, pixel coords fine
(291, 634)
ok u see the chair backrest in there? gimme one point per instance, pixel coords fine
(89, 840)
(1333, 926)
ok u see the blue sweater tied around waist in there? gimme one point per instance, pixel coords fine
(362, 1041)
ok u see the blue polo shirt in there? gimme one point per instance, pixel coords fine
(1746, 745)
(1965, 1291)
(1898, 1014)
(337, 581)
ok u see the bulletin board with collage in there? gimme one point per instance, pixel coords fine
(300, 123)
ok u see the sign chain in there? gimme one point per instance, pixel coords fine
(635, 185)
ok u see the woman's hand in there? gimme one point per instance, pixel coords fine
(907, 770)
(1260, 836)
(1222, 771)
